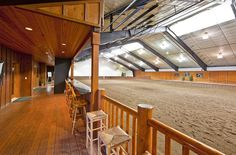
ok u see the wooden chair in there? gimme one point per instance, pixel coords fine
(78, 108)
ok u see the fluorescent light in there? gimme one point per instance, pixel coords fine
(132, 46)
(28, 28)
(117, 51)
(108, 55)
(213, 16)
(219, 55)
(205, 36)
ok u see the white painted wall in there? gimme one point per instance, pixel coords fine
(106, 68)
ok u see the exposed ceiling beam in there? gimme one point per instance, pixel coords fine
(158, 55)
(112, 59)
(138, 3)
(145, 61)
(128, 17)
(24, 2)
(190, 52)
(143, 21)
(134, 64)
(142, 15)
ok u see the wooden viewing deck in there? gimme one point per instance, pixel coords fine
(40, 126)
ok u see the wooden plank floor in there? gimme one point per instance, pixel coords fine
(40, 126)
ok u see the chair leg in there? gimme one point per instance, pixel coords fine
(74, 121)
(91, 138)
(87, 127)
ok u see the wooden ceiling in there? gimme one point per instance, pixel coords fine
(45, 41)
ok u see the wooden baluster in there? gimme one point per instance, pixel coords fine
(121, 118)
(117, 116)
(109, 114)
(154, 141)
(134, 130)
(167, 145)
(127, 127)
(113, 115)
(185, 150)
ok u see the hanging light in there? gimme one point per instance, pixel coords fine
(205, 36)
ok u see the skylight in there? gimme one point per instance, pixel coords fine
(213, 16)
(132, 46)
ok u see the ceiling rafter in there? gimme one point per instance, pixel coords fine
(189, 51)
(118, 62)
(134, 64)
(145, 61)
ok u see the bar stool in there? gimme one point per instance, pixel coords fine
(78, 108)
(113, 139)
(99, 117)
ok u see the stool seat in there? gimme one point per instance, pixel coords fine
(114, 136)
(96, 115)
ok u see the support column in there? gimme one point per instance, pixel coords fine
(62, 67)
(72, 70)
(95, 64)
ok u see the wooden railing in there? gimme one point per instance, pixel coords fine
(188, 143)
(122, 115)
(143, 129)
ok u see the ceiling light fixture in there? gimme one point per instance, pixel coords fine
(116, 58)
(164, 45)
(181, 58)
(167, 52)
(46, 53)
(205, 36)
(117, 51)
(219, 55)
(62, 51)
(141, 63)
(140, 51)
(108, 55)
(126, 55)
(63, 44)
(129, 65)
(28, 28)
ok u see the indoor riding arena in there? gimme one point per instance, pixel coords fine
(118, 77)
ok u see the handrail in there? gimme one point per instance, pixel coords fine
(190, 143)
(122, 106)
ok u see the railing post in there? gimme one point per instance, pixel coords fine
(144, 139)
(101, 92)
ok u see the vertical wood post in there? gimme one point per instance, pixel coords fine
(72, 70)
(95, 64)
(144, 139)
(101, 93)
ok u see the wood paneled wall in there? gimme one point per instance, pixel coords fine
(18, 75)
(226, 77)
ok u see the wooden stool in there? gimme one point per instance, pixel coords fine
(113, 139)
(78, 109)
(102, 123)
